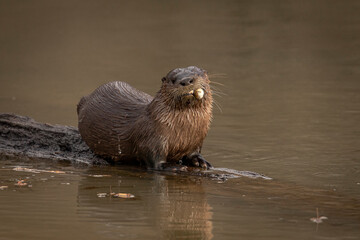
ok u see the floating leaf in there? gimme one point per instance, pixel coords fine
(21, 183)
(123, 195)
(318, 219)
(115, 195)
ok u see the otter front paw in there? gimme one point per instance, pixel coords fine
(196, 160)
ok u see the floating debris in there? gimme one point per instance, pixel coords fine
(65, 183)
(22, 169)
(102, 195)
(115, 195)
(98, 175)
(57, 171)
(3, 187)
(21, 183)
(32, 170)
(318, 219)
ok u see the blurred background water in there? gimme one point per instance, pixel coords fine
(290, 109)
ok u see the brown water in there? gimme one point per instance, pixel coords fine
(290, 110)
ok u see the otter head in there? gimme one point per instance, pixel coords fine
(186, 87)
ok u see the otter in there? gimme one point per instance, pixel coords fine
(121, 123)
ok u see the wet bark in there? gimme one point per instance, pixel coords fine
(23, 137)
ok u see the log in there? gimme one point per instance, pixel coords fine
(24, 137)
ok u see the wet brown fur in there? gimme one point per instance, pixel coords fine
(123, 123)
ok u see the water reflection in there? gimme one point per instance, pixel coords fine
(167, 206)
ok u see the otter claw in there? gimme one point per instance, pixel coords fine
(197, 161)
(203, 163)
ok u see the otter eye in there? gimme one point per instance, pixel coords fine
(173, 81)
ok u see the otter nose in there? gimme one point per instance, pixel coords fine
(186, 81)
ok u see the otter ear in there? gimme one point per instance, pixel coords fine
(163, 79)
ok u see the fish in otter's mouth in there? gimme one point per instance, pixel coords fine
(198, 93)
